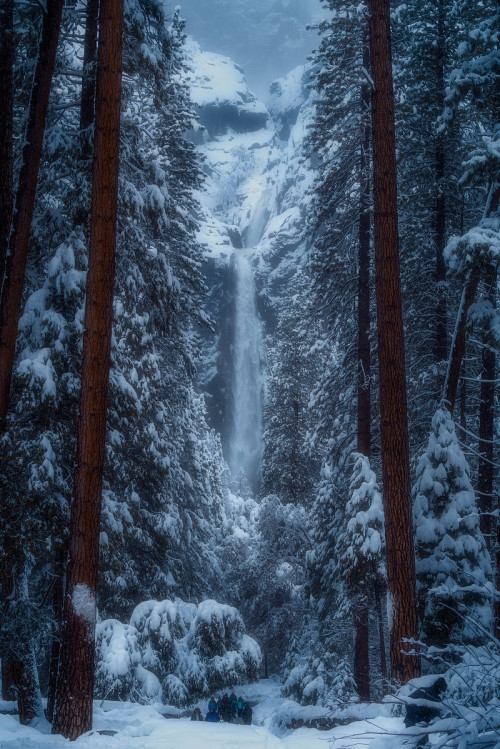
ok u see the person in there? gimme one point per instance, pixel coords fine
(246, 714)
(212, 716)
(233, 702)
(212, 703)
(239, 706)
(224, 709)
(416, 714)
(197, 714)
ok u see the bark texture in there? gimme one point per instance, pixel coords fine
(6, 154)
(58, 600)
(8, 667)
(73, 714)
(12, 291)
(361, 653)
(361, 620)
(393, 412)
(381, 640)
(457, 349)
(441, 340)
(486, 422)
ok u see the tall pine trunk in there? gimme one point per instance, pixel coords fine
(73, 714)
(6, 208)
(8, 667)
(6, 142)
(87, 118)
(393, 410)
(12, 291)
(55, 650)
(361, 614)
(441, 340)
(486, 421)
(22, 666)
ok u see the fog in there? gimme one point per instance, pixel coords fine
(267, 38)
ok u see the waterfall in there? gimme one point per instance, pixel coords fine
(246, 442)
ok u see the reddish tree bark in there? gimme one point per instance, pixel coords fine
(393, 411)
(6, 155)
(361, 618)
(76, 676)
(18, 247)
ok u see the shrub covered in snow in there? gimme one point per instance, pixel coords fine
(175, 652)
(321, 681)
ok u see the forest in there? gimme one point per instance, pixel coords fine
(249, 424)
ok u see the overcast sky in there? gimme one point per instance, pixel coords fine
(266, 37)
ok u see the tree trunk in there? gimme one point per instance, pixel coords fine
(361, 653)
(364, 357)
(486, 421)
(22, 666)
(87, 107)
(381, 640)
(6, 143)
(18, 247)
(441, 340)
(497, 580)
(458, 343)
(76, 677)
(58, 601)
(393, 412)
(361, 620)
(8, 667)
(457, 349)
(87, 104)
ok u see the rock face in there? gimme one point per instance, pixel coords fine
(254, 202)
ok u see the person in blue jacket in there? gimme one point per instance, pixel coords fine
(212, 716)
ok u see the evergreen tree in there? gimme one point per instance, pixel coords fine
(453, 566)
(287, 469)
(359, 554)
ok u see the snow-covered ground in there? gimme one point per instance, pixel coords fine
(144, 727)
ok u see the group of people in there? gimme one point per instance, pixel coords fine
(230, 709)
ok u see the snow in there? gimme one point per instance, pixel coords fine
(217, 78)
(83, 601)
(144, 727)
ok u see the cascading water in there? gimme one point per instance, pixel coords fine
(246, 442)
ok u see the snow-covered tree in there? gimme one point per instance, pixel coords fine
(453, 566)
(174, 651)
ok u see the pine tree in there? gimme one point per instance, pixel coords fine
(393, 413)
(360, 559)
(287, 469)
(453, 566)
(21, 225)
(76, 678)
